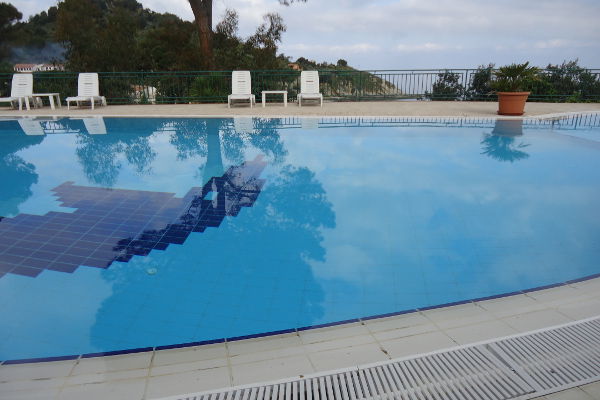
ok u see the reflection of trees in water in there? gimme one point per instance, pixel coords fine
(211, 138)
(99, 155)
(282, 231)
(191, 139)
(16, 174)
(502, 148)
(501, 144)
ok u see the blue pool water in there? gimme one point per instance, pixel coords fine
(122, 233)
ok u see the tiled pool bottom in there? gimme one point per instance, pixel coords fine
(155, 374)
(347, 231)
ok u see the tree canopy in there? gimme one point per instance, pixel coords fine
(122, 35)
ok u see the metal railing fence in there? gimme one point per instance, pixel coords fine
(337, 85)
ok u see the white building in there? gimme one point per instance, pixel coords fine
(38, 67)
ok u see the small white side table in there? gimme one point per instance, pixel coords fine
(50, 97)
(283, 92)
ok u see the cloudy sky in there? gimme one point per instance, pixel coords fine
(408, 34)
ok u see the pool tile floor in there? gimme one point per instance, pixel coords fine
(178, 371)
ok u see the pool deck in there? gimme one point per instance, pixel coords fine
(156, 374)
(381, 108)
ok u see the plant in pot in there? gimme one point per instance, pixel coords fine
(510, 83)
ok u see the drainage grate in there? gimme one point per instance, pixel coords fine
(517, 367)
(555, 358)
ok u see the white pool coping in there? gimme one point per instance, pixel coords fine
(329, 109)
(161, 373)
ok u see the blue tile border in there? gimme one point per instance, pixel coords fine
(38, 360)
(292, 330)
(190, 344)
(118, 352)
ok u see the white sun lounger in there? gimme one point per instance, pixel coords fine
(309, 87)
(241, 88)
(88, 89)
(20, 91)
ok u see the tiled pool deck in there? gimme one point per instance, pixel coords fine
(381, 108)
(155, 374)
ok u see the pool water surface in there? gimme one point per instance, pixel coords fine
(127, 233)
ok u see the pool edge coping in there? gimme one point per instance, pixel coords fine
(547, 116)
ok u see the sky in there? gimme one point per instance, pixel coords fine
(416, 34)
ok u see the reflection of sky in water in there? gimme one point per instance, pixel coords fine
(351, 222)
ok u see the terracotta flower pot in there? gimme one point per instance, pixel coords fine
(512, 103)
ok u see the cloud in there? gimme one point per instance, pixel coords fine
(348, 48)
(425, 47)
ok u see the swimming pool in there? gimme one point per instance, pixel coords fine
(128, 233)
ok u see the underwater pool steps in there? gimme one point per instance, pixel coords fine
(520, 366)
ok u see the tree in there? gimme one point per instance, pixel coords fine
(202, 10)
(103, 41)
(480, 89)
(79, 35)
(447, 87)
(9, 15)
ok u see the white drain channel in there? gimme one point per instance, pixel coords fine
(516, 367)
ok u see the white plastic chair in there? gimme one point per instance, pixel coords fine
(21, 90)
(88, 89)
(241, 88)
(309, 87)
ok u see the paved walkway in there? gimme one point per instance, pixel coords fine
(382, 108)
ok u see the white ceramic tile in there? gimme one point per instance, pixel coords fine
(557, 294)
(418, 344)
(347, 357)
(593, 389)
(187, 382)
(458, 311)
(404, 332)
(339, 343)
(113, 363)
(128, 389)
(31, 384)
(465, 314)
(482, 331)
(571, 394)
(580, 310)
(188, 367)
(36, 371)
(40, 394)
(397, 322)
(103, 377)
(536, 320)
(511, 305)
(268, 355)
(189, 354)
(263, 344)
(269, 370)
(590, 285)
(552, 294)
(333, 333)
